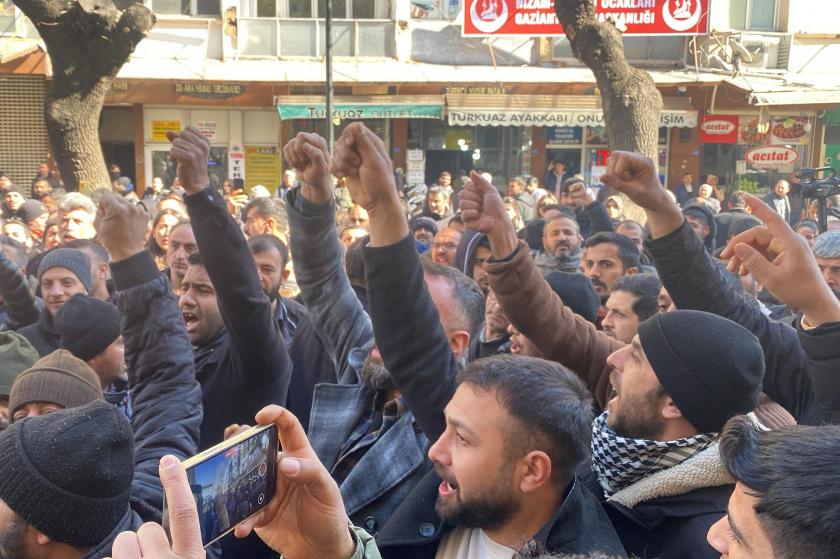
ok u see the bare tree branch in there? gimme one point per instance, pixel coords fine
(632, 104)
(88, 42)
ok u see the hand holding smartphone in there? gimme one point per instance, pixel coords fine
(233, 480)
(301, 513)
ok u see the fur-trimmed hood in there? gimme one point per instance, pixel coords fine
(702, 470)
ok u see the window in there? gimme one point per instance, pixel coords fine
(305, 9)
(295, 28)
(757, 15)
(650, 49)
(205, 8)
(435, 9)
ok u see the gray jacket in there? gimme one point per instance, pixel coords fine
(385, 474)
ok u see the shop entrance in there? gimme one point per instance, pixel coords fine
(123, 155)
(570, 157)
(453, 160)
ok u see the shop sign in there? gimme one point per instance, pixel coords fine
(119, 86)
(719, 129)
(564, 136)
(536, 18)
(208, 128)
(771, 157)
(748, 132)
(415, 177)
(415, 155)
(161, 127)
(557, 118)
(237, 163)
(360, 111)
(479, 90)
(790, 130)
(263, 167)
(209, 90)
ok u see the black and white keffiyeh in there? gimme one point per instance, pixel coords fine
(619, 461)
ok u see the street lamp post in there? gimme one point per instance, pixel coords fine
(329, 83)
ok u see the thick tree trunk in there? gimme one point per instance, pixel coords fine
(88, 42)
(632, 104)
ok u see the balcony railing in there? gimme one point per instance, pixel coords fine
(306, 37)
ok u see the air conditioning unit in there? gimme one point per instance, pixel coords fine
(764, 50)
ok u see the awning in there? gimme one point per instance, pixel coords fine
(800, 97)
(550, 110)
(291, 107)
(13, 48)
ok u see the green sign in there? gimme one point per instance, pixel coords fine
(351, 111)
(832, 118)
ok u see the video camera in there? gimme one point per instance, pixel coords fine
(818, 184)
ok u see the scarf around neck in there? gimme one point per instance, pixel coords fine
(547, 263)
(620, 461)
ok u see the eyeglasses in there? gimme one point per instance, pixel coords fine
(444, 246)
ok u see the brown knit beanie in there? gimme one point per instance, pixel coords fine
(58, 378)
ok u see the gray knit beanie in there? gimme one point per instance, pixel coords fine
(74, 260)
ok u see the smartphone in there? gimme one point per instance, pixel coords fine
(231, 481)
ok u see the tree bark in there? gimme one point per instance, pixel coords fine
(632, 104)
(88, 42)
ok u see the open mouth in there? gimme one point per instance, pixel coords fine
(190, 319)
(447, 489)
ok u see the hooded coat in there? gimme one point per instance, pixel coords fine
(710, 241)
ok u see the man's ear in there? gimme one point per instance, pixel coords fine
(459, 341)
(269, 226)
(536, 468)
(631, 271)
(670, 410)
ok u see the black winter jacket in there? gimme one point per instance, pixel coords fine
(165, 394)
(672, 527)
(424, 368)
(822, 345)
(695, 282)
(246, 366)
(311, 363)
(42, 335)
(18, 307)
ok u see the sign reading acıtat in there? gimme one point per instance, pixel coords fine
(771, 157)
(536, 18)
(719, 129)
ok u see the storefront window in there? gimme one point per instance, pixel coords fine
(318, 126)
(502, 151)
(791, 135)
(217, 165)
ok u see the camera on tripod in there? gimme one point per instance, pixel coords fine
(819, 184)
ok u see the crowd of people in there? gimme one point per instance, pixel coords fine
(501, 375)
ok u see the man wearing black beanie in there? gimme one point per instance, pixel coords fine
(89, 328)
(76, 499)
(654, 458)
(654, 450)
(72, 480)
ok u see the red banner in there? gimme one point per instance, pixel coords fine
(719, 129)
(536, 18)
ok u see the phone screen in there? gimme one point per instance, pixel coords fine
(234, 483)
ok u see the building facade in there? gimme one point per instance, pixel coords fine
(251, 74)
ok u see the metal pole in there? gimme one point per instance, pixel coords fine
(329, 82)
